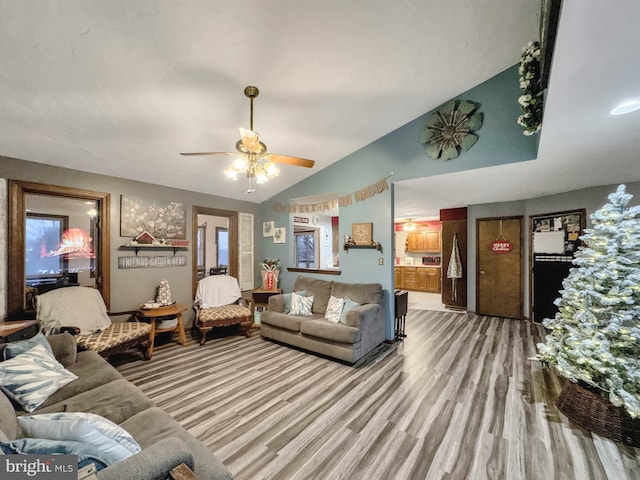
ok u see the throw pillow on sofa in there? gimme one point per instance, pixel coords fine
(33, 376)
(334, 309)
(348, 305)
(14, 349)
(287, 300)
(87, 454)
(300, 305)
(113, 441)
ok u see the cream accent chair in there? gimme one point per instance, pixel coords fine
(217, 304)
(81, 311)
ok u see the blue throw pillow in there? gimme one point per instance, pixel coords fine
(287, 300)
(14, 349)
(348, 305)
(31, 377)
(113, 441)
(39, 446)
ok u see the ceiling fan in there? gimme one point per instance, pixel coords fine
(254, 160)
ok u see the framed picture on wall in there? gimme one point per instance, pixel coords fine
(268, 229)
(279, 235)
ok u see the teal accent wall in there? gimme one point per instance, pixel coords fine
(400, 151)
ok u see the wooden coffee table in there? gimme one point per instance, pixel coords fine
(153, 313)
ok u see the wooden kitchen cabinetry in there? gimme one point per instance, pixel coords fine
(425, 241)
(421, 279)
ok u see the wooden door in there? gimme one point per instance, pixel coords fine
(499, 276)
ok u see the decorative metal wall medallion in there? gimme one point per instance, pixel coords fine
(451, 129)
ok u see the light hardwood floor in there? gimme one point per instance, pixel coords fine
(458, 399)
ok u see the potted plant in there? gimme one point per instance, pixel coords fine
(270, 271)
(594, 339)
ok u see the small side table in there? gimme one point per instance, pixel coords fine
(12, 331)
(261, 298)
(153, 314)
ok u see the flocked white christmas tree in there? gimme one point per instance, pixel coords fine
(164, 293)
(595, 336)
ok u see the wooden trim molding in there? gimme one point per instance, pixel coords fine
(314, 270)
(16, 239)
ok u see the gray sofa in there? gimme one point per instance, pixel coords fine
(102, 390)
(362, 331)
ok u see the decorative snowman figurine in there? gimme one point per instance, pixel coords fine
(164, 293)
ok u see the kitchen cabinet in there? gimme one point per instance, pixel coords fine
(409, 281)
(422, 279)
(432, 279)
(425, 241)
(398, 277)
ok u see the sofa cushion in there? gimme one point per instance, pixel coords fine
(281, 320)
(116, 401)
(31, 377)
(115, 334)
(334, 332)
(64, 347)
(319, 289)
(108, 438)
(154, 424)
(92, 371)
(8, 422)
(358, 292)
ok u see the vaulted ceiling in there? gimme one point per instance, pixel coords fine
(121, 87)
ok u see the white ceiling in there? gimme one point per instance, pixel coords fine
(121, 87)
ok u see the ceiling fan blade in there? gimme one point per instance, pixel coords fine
(189, 154)
(299, 162)
(250, 139)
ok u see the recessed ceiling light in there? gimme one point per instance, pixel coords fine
(626, 107)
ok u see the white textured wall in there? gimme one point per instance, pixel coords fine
(3, 251)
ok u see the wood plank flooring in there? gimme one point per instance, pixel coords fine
(458, 399)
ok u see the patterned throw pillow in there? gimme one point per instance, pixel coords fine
(113, 441)
(334, 309)
(87, 454)
(348, 305)
(287, 300)
(300, 305)
(14, 349)
(31, 377)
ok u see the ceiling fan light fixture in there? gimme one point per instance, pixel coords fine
(240, 164)
(271, 170)
(231, 173)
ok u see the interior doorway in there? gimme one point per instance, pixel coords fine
(499, 277)
(215, 235)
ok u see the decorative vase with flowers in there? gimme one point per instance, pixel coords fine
(270, 271)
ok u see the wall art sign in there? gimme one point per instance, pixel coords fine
(152, 262)
(501, 245)
(160, 218)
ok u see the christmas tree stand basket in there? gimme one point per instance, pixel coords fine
(592, 410)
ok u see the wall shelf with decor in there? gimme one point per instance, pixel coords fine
(152, 247)
(374, 245)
